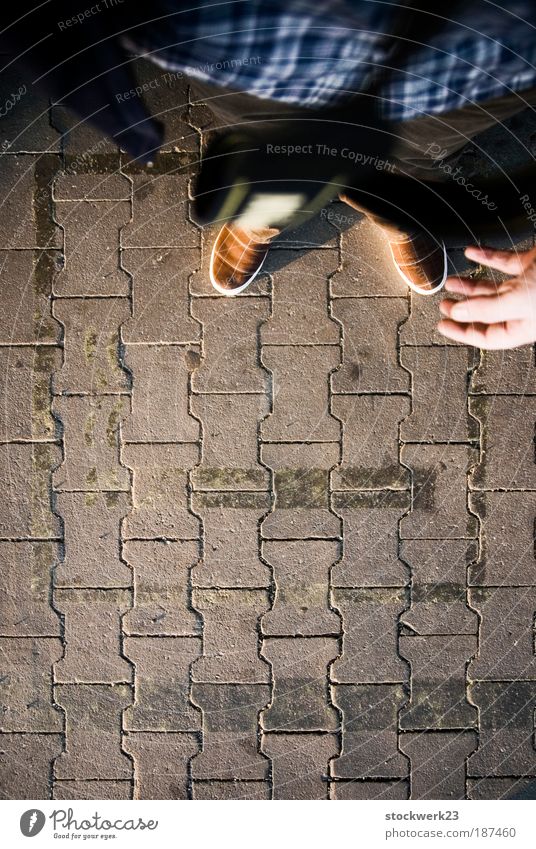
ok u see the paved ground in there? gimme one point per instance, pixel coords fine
(280, 546)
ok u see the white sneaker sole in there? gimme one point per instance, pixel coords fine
(412, 285)
(230, 293)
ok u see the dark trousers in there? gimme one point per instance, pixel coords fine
(420, 147)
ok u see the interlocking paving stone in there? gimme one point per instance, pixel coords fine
(230, 731)
(301, 481)
(438, 685)
(25, 582)
(93, 723)
(439, 378)
(230, 644)
(230, 449)
(25, 388)
(507, 555)
(230, 362)
(439, 508)
(92, 545)
(231, 790)
(300, 764)
(504, 611)
(161, 763)
(160, 308)
(73, 186)
(18, 212)
(26, 762)
(92, 636)
(301, 383)
(159, 211)
(231, 545)
(366, 263)
(420, 328)
(305, 321)
(506, 714)
(370, 790)
(370, 356)
(160, 394)
(301, 574)
(369, 723)
(91, 443)
(370, 652)
(26, 684)
(505, 372)
(439, 602)
(91, 233)
(26, 284)
(437, 761)
(159, 492)
(370, 550)
(161, 593)
(200, 116)
(162, 683)
(370, 442)
(88, 789)
(300, 695)
(505, 463)
(499, 788)
(81, 142)
(91, 363)
(25, 471)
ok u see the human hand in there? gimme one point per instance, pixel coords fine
(493, 315)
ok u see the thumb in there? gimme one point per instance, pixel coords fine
(510, 262)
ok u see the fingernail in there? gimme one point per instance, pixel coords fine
(460, 312)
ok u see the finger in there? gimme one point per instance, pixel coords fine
(510, 262)
(489, 309)
(467, 286)
(491, 337)
(445, 307)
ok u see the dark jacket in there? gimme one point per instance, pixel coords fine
(74, 53)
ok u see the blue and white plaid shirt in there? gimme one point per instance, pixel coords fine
(314, 54)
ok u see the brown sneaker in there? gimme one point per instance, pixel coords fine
(421, 261)
(238, 256)
(419, 258)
